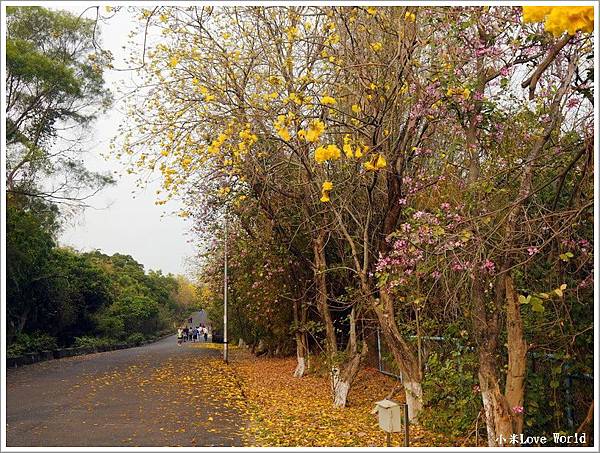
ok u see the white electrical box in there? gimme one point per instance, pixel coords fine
(390, 419)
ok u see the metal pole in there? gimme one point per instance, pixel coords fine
(379, 351)
(406, 428)
(225, 344)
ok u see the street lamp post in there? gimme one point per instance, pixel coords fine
(225, 343)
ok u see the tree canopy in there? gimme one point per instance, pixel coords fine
(54, 89)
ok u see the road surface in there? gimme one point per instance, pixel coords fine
(155, 395)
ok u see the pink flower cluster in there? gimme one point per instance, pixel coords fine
(410, 245)
(419, 243)
(458, 266)
(587, 282)
(488, 266)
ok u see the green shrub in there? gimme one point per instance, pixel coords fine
(35, 342)
(452, 399)
(110, 325)
(15, 350)
(93, 342)
(136, 339)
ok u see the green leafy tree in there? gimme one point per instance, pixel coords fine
(28, 249)
(54, 83)
(77, 290)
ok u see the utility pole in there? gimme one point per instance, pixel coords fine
(225, 344)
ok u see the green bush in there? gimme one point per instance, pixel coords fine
(109, 325)
(451, 390)
(93, 342)
(35, 342)
(136, 339)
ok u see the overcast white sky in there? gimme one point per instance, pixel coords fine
(121, 220)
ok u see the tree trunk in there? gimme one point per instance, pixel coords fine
(403, 353)
(16, 324)
(341, 380)
(300, 336)
(300, 365)
(22, 320)
(517, 355)
(414, 398)
(473, 147)
(486, 326)
(343, 375)
(320, 266)
(260, 349)
(301, 353)
(497, 413)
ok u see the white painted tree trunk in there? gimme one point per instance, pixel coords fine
(497, 414)
(489, 417)
(414, 398)
(300, 367)
(301, 354)
(340, 388)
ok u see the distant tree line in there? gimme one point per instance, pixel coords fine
(56, 295)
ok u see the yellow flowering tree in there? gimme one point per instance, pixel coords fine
(560, 19)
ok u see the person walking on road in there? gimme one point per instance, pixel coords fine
(205, 332)
(179, 336)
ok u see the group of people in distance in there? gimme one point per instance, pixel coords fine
(192, 334)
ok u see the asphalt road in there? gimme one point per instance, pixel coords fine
(155, 395)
